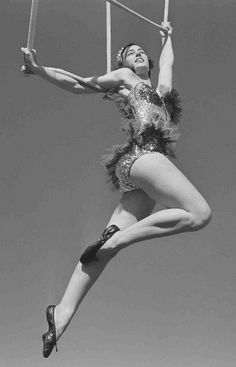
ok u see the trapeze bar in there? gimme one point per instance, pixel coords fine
(108, 34)
(32, 24)
(121, 6)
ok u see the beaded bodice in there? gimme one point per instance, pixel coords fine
(147, 109)
(149, 122)
(145, 117)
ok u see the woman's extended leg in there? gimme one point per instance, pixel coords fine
(160, 181)
(133, 207)
(163, 182)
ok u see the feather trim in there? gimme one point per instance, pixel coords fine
(173, 105)
(110, 159)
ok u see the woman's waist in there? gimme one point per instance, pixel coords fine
(151, 143)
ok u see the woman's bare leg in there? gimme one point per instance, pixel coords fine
(133, 207)
(162, 181)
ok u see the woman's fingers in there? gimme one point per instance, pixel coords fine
(26, 70)
(168, 27)
(29, 60)
(27, 55)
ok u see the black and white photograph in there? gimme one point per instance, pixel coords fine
(117, 183)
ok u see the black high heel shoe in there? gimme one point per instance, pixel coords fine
(49, 338)
(90, 253)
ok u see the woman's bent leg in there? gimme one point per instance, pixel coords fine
(163, 182)
(160, 181)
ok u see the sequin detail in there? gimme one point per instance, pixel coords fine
(124, 165)
(149, 128)
(148, 108)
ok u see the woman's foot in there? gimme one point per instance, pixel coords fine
(58, 319)
(49, 338)
(90, 253)
(111, 247)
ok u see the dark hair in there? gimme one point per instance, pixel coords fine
(119, 63)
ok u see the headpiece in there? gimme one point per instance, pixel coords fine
(119, 57)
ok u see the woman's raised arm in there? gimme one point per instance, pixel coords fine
(166, 60)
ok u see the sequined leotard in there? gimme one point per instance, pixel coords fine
(150, 125)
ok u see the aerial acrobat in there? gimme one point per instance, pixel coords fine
(140, 168)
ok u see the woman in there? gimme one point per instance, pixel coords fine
(140, 169)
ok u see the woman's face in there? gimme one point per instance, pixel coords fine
(134, 57)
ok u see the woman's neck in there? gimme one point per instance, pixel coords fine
(145, 78)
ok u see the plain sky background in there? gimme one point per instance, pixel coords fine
(165, 303)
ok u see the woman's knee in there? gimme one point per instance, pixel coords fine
(200, 217)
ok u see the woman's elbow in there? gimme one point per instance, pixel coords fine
(77, 89)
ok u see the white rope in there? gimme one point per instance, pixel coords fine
(166, 11)
(108, 35)
(128, 10)
(32, 24)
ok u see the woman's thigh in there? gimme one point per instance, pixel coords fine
(156, 175)
(133, 206)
